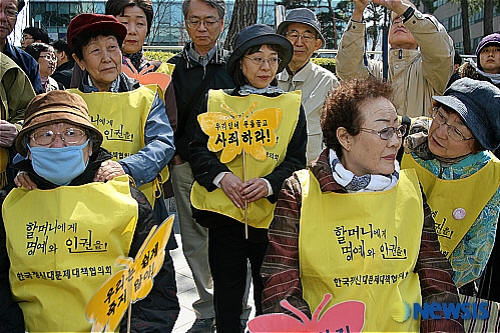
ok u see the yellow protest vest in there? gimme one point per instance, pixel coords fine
(166, 68)
(62, 244)
(259, 213)
(121, 118)
(456, 204)
(363, 247)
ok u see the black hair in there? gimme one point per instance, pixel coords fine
(35, 49)
(38, 34)
(60, 45)
(238, 78)
(20, 5)
(117, 7)
(85, 37)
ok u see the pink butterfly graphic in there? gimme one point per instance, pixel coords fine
(145, 76)
(345, 317)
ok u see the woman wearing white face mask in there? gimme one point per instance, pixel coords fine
(42, 230)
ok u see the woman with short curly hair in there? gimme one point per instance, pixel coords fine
(356, 227)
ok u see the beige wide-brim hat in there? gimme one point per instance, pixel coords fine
(53, 107)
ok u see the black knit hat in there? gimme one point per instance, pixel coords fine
(493, 39)
(259, 34)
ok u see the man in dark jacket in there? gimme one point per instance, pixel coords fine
(199, 67)
(7, 23)
(65, 63)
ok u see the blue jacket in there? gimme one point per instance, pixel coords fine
(27, 63)
(147, 163)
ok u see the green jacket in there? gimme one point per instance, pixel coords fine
(15, 91)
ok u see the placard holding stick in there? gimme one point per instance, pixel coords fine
(131, 284)
(233, 133)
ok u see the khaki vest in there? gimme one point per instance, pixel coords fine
(62, 245)
(285, 106)
(121, 118)
(456, 204)
(363, 247)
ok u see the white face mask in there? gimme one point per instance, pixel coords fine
(59, 165)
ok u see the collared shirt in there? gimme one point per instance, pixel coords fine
(89, 85)
(27, 63)
(415, 75)
(315, 82)
(202, 60)
(187, 77)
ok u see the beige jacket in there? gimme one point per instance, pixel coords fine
(315, 82)
(416, 75)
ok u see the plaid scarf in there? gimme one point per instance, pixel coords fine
(365, 183)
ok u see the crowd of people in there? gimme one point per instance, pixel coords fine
(377, 183)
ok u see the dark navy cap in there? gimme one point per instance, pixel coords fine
(259, 34)
(478, 104)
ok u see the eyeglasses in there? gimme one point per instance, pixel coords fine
(195, 22)
(294, 35)
(26, 37)
(388, 132)
(453, 132)
(10, 13)
(49, 57)
(259, 61)
(69, 135)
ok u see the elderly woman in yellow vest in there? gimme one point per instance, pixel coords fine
(247, 142)
(355, 226)
(60, 241)
(131, 117)
(137, 16)
(459, 174)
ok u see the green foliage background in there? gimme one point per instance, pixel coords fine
(158, 55)
(327, 63)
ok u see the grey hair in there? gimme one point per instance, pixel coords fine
(220, 5)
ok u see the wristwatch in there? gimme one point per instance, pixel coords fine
(407, 14)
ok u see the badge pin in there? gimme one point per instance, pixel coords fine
(459, 213)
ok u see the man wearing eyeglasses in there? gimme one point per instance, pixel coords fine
(34, 35)
(8, 17)
(420, 56)
(199, 67)
(303, 30)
